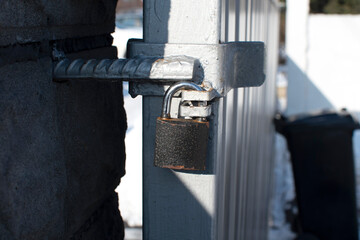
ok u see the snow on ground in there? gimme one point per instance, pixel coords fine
(121, 37)
(133, 234)
(283, 192)
(130, 188)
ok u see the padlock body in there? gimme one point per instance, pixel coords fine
(181, 144)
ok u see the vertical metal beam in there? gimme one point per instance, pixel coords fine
(177, 205)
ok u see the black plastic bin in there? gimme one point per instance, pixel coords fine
(322, 158)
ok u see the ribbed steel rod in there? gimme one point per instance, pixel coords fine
(140, 68)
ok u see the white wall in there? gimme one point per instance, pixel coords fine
(323, 60)
(334, 58)
(296, 44)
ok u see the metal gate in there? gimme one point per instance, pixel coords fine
(231, 199)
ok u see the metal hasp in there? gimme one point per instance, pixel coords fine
(219, 67)
(222, 67)
(139, 68)
(180, 143)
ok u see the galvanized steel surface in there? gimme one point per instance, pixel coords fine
(245, 139)
(223, 66)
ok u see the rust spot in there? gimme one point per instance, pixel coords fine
(203, 84)
(160, 60)
(181, 167)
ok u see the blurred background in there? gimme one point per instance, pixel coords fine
(318, 71)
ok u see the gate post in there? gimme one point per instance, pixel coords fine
(176, 205)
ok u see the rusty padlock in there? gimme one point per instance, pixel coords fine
(180, 143)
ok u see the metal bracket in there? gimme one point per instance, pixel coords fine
(152, 67)
(195, 111)
(203, 109)
(193, 95)
(221, 66)
(182, 103)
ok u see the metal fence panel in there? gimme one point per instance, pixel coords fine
(244, 161)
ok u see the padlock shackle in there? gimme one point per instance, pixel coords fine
(165, 113)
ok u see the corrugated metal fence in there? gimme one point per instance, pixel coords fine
(246, 134)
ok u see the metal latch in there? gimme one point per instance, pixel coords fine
(221, 67)
(216, 67)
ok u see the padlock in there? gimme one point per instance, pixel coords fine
(180, 143)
